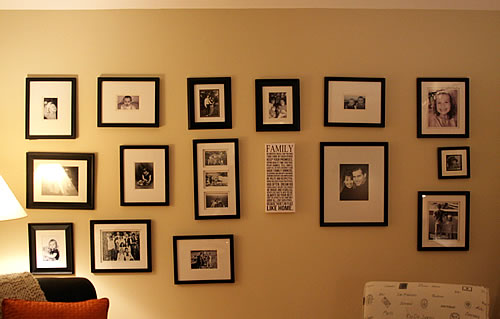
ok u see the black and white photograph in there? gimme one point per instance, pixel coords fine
(354, 102)
(60, 180)
(354, 183)
(120, 245)
(144, 175)
(351, 101)
(443, 220)
(216, 200)
(51, 248)
(442, 107)
(216, 179)
(202, 259)
(453, 162)
(215, 158)
(128, 101)
(209, 103)
(277, 105)
(50, 108)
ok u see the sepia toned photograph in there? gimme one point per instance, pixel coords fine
(354, 181)
(209, 103)
(443, 220)
(215, 158)
(354, 102)
(144, 175)
(454, 162)
(203, 259)
(127, 102)
(216, 179)
(277, 106)
(442, 107)
(50, 108)
(216, 200)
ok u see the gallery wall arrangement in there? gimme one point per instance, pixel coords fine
(272, 169)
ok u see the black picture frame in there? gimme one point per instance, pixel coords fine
(368, 101)
(131, 240)
(60, 180)
(277, 105)
(203, 259)
(216, 179)
(51, 250)
(50, 108)
(128, 101)
(144, 175)
(354, 183)
(453, 162)
(454, 92)
(452, 209)
(208, 107)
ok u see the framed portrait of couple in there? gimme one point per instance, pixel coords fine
(353, 183)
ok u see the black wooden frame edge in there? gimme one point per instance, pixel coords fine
(355, 79)
(68, 234)
(102, 79)
(385, 145)
(88, 157)
(167, 175)
(236, 172)
(74, 100)
(227, 124)
(259, 116)
(147, 222)
(176, 238)
(420, 216)
(440, 168)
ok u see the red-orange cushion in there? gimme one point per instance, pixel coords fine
(22, 309)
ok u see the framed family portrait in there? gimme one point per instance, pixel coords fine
(120, 245)
(454, 162)
(443, 220)
(351, 101)
(277, 105)
(60, 180)
(209, 103)
(216, 179)
(144, 175)
(50, 108)
(51, 248)
(442, 107)
(128, 102)
(203, 259)
(353, 182)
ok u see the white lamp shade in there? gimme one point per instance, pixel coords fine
(9, 205)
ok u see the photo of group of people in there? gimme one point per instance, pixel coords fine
(121, 245)
(353, 182)
(127, 102)
(443, 108)
(58, 180)
(443, 220)
(354, 102)
(216, 179)
(277, 107)
(144, 175)
(210, 103)
(50, 110)
(203, 259)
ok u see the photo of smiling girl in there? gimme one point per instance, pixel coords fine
(443, 112)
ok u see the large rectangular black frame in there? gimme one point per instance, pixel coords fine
(117, 257)
(139, 178)
(208, 108)
(339, 91)
(151, 93)
(72, 196)
(452, 209)
(198, 246)
(216, 177)
(453, 162)
(47, 260)
(277, 105)
(350, 163)
(50, 108)
(455, 122)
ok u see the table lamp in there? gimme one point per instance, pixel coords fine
(9, 206)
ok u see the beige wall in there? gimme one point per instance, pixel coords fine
(286, 265)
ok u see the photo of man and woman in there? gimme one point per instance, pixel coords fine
(277, 105)
(144, 175)
(443, 220)
(203, 259)
(50, 108)
(127, 102)
(354, 102)
(121, 245)
(209, 103)
(353, 182)
(442, 110)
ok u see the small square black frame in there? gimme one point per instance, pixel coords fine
(441, 168)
